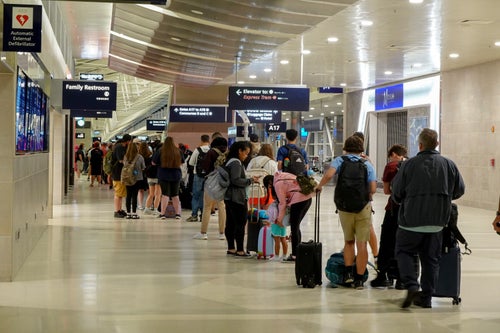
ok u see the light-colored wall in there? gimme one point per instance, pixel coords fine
(470, 108)
(24, 183)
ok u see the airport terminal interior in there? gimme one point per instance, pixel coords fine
(180, 68)
(93, 273)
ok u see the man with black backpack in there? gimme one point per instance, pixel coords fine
(355, 186)
(195, 161)
(291, 158)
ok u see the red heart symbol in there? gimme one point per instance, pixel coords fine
(22, 19)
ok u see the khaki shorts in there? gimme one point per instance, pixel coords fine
(120, 189)
(356, 226)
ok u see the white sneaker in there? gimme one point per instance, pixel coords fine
(200, 236)
(222, 237)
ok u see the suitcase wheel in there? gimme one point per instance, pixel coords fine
(456, 300)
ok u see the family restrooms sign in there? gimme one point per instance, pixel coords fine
(22, 28)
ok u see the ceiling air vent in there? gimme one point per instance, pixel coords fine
(476, 22)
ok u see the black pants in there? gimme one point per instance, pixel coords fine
(236, 219)
(131, 200)
(386, 260)
(428, 248)
(297, 212)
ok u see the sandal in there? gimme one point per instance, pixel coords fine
(246, 255)
(231, 253)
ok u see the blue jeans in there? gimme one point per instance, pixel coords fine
(197, 201)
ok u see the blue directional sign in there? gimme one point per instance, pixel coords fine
(157, 125)
(89, 95)
(269, 98)
(197, 113)
(330, 90)
(389, 97)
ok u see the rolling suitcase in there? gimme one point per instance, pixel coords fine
(308, 268)
(265, 246)
(448, 284)
(253, 226)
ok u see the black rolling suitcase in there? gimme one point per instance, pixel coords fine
(448, 284)
(308, 267)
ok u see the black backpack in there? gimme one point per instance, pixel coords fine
(198, 165)
(295, 162)
(351, 192)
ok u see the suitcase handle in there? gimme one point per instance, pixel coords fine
(316, 216)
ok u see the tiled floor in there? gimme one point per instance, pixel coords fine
(93, 273)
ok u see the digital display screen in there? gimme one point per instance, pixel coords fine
(31, 116)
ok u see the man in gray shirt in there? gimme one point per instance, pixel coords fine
(424, 187)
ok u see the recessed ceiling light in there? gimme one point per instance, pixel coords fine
(283, 113)
(268, 70)
(342, 111)
(416, 1)
(310, 116)
(343, 84)
(322, 114)
(454, 55)
(388, 73)
(253, 76)
(241, 82)
(417, 65)
(332, 39)
(175, 39)
(326, 105)
(306, 52)
(339, 103)
(302, 117)
(312, 108)
(366, 23)
(284, 62)
(197, 12)
(332, 112)
(497, 43)
(287, 119)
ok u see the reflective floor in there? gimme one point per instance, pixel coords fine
(91, 272)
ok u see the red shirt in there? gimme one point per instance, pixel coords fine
(390, 171)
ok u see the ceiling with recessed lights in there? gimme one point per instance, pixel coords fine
(356, 44)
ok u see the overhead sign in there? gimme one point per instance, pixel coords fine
(261, 116)
(22, 28)
(389, 97)
(91, 113)
(91, 77)
(157, 125)
(276, 127)
(330, 90)
(197, 113)
(89, 95)
(269, 98)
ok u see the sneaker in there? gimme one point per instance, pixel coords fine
(118, 215)
(200, 236)
(140, 208)
(349, 277)
(410, 296)
(222, 237)
(358, 285)
(275, 258)
(380, 282)
(422, 301)
(192, 219)
(290, 258)
(177, 217)
(400, 285)
(124, 213)
(148, 211)
(162, 217)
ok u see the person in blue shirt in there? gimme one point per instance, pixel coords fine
(355, 225)
(282, 154)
